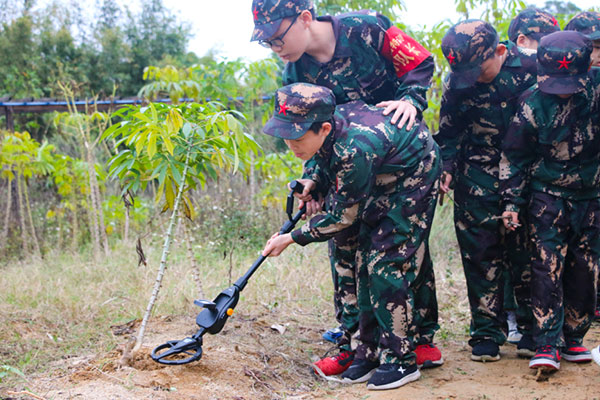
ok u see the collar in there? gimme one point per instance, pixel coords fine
(513, 59)
(326, 149)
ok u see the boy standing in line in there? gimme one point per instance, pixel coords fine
(479, 100)
(357, 55)
(551, 149)
(525, 30)
(588, 23)
(384, 180)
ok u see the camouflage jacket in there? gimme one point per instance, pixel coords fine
(362, 67)
(363, 154)
(474, 121)
(552, 146)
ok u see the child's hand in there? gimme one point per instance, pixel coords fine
(277, 244)
(445, 182)
(511, 220)
(403, 108)
(309, 186)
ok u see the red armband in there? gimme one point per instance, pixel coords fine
(404, 52)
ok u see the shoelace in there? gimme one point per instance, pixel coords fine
(547, 349)
(342, 356)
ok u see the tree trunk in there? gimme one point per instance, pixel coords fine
(93, 210)
(74, 227)
(252, 184)
(4, 238)
(99, 213)
(25, 243)
(165, 252)
(34, 239)
(126, 229)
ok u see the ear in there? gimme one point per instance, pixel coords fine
(500, 50)
(325, 129)
(521, 40)
(305, 17)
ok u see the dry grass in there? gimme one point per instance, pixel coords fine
(66, 305)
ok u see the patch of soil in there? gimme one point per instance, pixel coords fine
(250, 360)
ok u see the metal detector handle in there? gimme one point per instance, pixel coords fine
(295, 187)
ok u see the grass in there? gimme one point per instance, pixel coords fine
(65, 305)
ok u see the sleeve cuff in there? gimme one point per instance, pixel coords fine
(299, 237)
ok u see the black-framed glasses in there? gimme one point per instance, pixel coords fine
(278, 41)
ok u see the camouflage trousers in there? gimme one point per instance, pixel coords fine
(393, 260)
(566, 237)
(342, 257)
(489, 253)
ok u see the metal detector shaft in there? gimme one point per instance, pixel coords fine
(286, 228)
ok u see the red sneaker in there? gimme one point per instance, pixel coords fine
(576, 352)
(334, 365)
(428, 356)
(546, 357)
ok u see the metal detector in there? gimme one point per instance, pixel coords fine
(215, 313)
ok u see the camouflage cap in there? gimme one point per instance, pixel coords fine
(297, 107)
(587, 23)
(268, 15)
(533, 23)
(466, 46)
(563, 60)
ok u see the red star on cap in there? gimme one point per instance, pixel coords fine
(564, 63)
(283, 108)
(451, 59)
(554, 21)
(255, 12)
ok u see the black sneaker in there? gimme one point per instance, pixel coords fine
(360, 371)
(390, 376)
(485, 350)
(526, 347)
(576, 352)
(546, 357)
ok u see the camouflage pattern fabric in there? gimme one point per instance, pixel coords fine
(561, 71)
(473, 123)
(268, 15)
(385, 180)
(552, 149)
(466, 46)
(587, 22)
(362, 70)
(359, 70)
(565, 266)
(533, 23)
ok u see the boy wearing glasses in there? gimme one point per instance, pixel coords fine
(358, 56)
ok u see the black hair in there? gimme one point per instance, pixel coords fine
(316, 126)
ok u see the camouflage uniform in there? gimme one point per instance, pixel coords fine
(384, 181)
(534, 24)
(474, 118)
(588, 23)
(551, 148)
(373, 62)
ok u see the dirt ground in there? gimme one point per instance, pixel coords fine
(251, 360)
